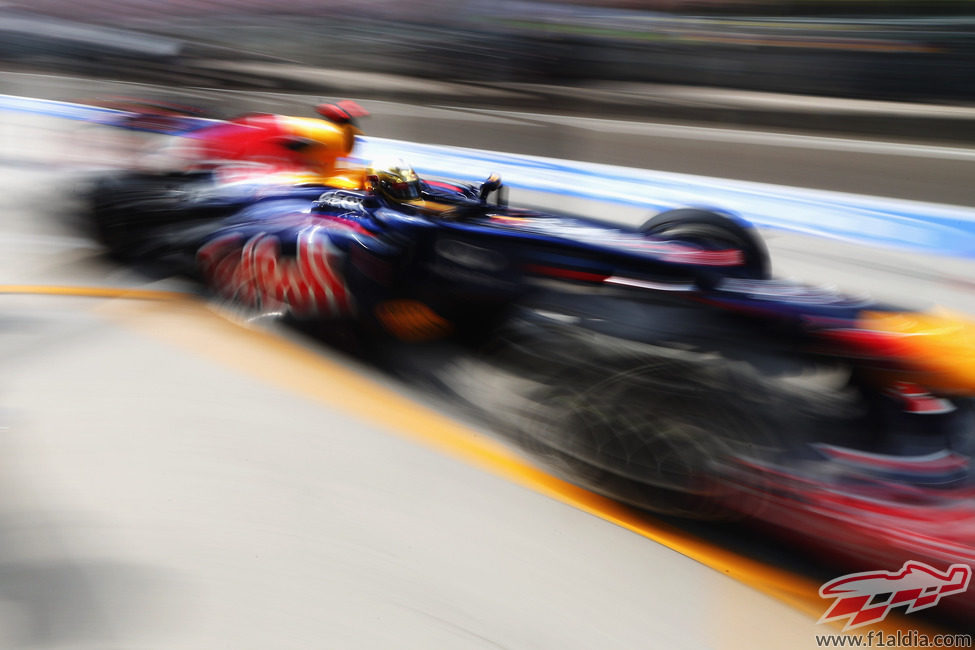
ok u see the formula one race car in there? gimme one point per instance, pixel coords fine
(661, 360)
(411, 259)
(293, 243)
(419, 259)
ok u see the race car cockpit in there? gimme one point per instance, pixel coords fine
(395, 182)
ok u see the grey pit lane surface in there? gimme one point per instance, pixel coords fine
(153, 498)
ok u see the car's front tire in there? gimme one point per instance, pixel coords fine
(714, 230)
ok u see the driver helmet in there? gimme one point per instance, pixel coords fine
(395, 179)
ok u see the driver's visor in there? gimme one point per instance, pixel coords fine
(404, 190)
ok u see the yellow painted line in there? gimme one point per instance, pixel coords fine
(307, 371)
(90, 292)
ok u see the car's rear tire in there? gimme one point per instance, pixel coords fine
(125, 208)
(714, 230)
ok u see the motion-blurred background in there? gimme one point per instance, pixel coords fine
(854, 48)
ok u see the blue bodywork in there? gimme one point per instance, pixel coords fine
(319, 252)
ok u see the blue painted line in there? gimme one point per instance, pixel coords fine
(58, 109)
(876, 221)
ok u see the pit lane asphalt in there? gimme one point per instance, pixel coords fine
(214, 526)
(173, 480)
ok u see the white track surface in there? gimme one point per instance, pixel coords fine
(170, 480)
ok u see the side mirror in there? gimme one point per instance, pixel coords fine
(492, 184)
